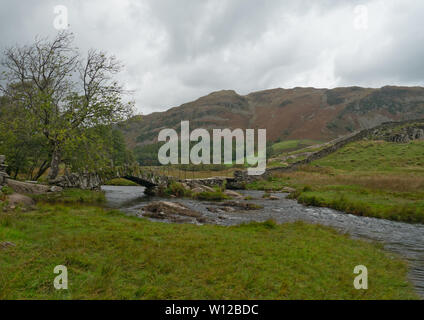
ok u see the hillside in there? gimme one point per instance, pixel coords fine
(287, 114)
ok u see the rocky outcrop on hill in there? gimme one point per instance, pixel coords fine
(400, 134)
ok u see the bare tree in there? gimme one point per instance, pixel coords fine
(61, 92)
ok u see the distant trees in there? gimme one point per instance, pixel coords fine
(59, 107)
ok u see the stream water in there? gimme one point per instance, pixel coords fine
(402, 238)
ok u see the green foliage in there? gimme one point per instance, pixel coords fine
(211, 196)
(147, 155)
(112, 256)
(60, 101)
(97, 147)
(307, 188)
(6, 190)
(24, 147)
(120, 182)
(178, 190)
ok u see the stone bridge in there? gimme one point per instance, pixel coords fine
(93, 180)
(152, 179)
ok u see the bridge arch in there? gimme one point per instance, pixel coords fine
(140, 181)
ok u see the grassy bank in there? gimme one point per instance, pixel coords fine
(291, 145)
(72, 196)
(370, 178)
(110, 256)
(121, 182)
(178, 190)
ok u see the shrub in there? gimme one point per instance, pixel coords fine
(340, 203)
(178, 190)
(211, 196)
(6, 190)
(307, 189)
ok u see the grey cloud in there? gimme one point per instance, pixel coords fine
(178, 50)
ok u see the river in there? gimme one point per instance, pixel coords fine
(402, 238)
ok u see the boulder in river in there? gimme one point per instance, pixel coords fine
(200, 188)
(173, 211)
(273, 198)
(233, 194)
(288, 190)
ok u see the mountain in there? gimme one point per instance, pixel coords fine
(299, 113)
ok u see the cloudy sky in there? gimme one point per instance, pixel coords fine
(178, 50)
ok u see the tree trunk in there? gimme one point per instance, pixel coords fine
(16, 173)
(44, 166)
(54, 165)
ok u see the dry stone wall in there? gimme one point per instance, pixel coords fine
(398, 132)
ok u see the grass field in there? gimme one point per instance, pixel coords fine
(113, 256)
(378, 156)
(371, 178)
(291, 145)
(72, 196)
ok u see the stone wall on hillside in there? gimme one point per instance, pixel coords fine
(398, 132)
